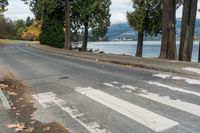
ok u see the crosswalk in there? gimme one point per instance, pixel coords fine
(154, 121)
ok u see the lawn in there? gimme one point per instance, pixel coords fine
(6, 41)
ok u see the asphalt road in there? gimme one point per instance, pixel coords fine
(94, 97)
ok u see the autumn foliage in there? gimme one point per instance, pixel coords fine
(30, 33)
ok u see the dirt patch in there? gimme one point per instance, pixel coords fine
(22, 107)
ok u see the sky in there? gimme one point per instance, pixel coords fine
(18, 10)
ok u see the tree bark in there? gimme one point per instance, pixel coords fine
(168, 47)
(85, 37)
(67, 26)
(199, 53)
(139, 44)
(187, 29)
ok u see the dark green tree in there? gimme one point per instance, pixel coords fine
(41, 9)
(52, 30)
(3, 5)
(93, 15)
(29, 21)
(146, 19)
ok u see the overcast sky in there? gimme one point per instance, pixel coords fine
(18, 10)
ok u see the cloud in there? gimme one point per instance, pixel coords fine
(18, 10)
(119, 9)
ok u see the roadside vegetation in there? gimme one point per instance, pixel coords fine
(59, 22)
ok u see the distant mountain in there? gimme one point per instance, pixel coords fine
(123, 31)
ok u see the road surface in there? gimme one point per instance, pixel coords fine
(94, 97)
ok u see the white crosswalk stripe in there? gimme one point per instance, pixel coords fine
(173, 88)
(178, 104)
(147, 118)
(186, 80)
(49, 98)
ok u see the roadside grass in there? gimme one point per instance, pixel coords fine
(7, 41)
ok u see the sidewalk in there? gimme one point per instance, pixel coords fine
(185, 68)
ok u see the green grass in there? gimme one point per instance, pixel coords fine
(7, 41)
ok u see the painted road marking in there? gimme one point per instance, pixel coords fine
(4, 100)
(111, 85)
(187, 80)
(50, 98)
(118, 85)
(147, 118)
(174, 88)
(163, 76)
(184, 106)
(192, 69)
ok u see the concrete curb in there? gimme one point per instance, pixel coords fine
(91, 56)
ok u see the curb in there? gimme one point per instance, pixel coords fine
(137, 65)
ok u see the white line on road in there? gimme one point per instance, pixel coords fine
(181, 105)
(192, 69)
(4, 100)
(174, 88)
(187, 80)
(184, 106)
(50, 98)
(111, 85)
(149, 119)
(163, 76)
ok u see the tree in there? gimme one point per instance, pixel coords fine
(91, 14)
(168, 47)
(67, 25)
(146, 19)
(29, 21)
(52, 29)
(187, 30)
(41, 7)
(3, 5)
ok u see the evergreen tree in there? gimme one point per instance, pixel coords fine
(42, 9)
(29, 21)
(3, 5)
(52, 31)
(187, 30)
(146, 19)
(91, 14)
(168, 47)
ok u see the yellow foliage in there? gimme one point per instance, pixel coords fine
(31, 33)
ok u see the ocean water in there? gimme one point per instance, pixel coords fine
(151, 49)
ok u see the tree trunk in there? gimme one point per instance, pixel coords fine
(139, 45)
(168, 47)
(67, 26)
(85, 37)
(199, 53)
(187, 29)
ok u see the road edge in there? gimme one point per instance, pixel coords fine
(86, 55)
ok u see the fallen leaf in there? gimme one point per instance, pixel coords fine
(46, 129)
(12, 93)
(30, 129)
(32, 122)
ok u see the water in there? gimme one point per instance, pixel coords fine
(151, 49)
